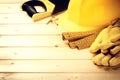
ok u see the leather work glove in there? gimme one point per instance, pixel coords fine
(81, 40)
(107, 60)
(107, 46)
(108, 37)
(115, 61)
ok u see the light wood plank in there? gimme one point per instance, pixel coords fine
(45, 53)
(15, 29)
(50, 66)
(60, 76)
(9, 1)
(15, 8)
(15, 18)
(10, 8)
(19, 18)
(12, 1)
(34, 40)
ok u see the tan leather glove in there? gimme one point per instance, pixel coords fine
(107, 60)
(108, 38)
(101, 59)
(107, 46)
(115, 61)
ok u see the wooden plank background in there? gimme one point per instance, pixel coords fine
(35, 50)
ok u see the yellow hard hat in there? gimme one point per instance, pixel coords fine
(85, 15)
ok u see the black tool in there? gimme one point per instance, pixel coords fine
(50, 7)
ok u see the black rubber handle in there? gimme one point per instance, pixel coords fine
(29, 9)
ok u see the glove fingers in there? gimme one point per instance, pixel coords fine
(96, 44)
(105, 60)
(108, 59)
(115, 50)
(115, 61)
(98, 59)
(106, 46)
(116, 38)
(95, 47)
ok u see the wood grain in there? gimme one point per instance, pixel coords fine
(35, 50)
(50, 66)
(60, 76)
(30, 29)
(57, 53)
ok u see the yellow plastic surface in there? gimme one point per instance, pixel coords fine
(84, 15)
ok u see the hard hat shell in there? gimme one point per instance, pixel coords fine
(85, 15)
